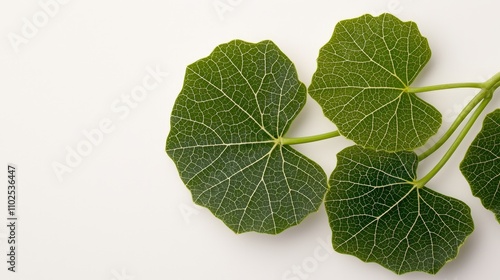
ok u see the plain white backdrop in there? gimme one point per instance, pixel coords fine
(87, 88)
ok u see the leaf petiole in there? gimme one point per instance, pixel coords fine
(492, 82)
(463, 114)
(487, 94)
(308, 139)
(489, 87)
(444, 86)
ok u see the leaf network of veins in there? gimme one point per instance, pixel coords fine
(260, 124)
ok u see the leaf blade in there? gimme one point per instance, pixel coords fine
(481, 164)
(378, 215)
(234, 106)
(362, 79)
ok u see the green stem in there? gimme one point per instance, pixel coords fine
(444, 86)
(493, 82)
(308, 139)
(488, 96)
(490, 83)
(497, 85)
(488, 86)
(465, 112)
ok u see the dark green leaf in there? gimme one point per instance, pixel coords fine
(362, 79)
(225, 134)
(378, 214)
(481, 165)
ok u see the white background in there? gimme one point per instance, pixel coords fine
(122, 212)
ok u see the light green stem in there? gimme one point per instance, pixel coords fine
(465, 112)
(444, 86)
(493, 82)
(487, 98)
(488, 86)
(490, 83)
(308, 139)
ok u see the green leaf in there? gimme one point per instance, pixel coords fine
(361, 83)
(481, 164)
(225, 139)
(378, 215)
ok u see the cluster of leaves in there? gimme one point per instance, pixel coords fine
(228, 129)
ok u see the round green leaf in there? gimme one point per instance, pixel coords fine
(361, 83)
(378, 215)
(481, 164)
(226, 127)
